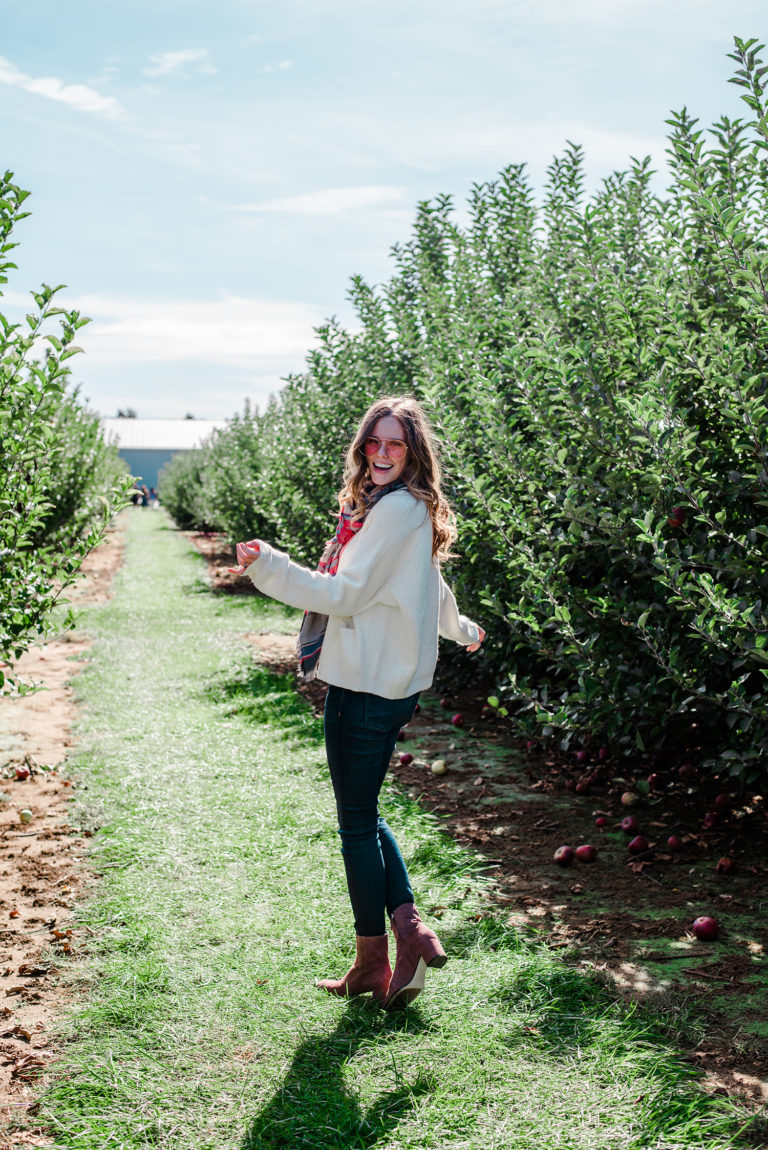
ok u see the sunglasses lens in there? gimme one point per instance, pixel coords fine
(395, 448)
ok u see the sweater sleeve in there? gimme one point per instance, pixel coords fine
(452, 625)
(369, 561)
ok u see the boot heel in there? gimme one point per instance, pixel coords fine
(417, 948)
(406, 994)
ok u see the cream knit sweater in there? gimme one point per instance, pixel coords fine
(386, 604)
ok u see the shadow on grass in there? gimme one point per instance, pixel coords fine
(258, 695)
(315, 1108)
(559, 1011)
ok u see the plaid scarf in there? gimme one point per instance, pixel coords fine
(312, 633)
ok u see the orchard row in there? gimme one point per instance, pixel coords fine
(60, 483)
(595, 368)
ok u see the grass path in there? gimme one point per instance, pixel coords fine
(221, 898)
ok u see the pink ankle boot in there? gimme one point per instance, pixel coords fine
(417, 948)
(369, 972)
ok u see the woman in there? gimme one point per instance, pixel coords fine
(373, 611)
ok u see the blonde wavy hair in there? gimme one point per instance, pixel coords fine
(421, 475)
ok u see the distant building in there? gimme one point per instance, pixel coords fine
(147, 445)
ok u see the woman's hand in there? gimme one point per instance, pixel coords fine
(246, 553)
(476, 646)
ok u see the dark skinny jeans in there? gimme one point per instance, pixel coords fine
(360, 735)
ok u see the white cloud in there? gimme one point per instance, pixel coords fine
(283, 66)
(233, 332)
(78, 96)
(170, 63)
(330, 201)
(495, 143)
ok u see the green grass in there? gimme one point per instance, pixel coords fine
(196, 1025)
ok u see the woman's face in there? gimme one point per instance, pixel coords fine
(382, 467)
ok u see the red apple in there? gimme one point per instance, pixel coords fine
(675, 843)
(725, 865)
(418, 708)
(637, 845)
(22, 772)
(601, 821)
(583, 787)
(582, 756)
(405, 758)
(687, 772)
(705, 928)
(655, 782)
(401, 735)
(723, 802)
(603, 754)
(710, 820)
(586, 853)
(564, 856)
(445, 702)
(458, 720)
(630, 825)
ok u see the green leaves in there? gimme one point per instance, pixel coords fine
(59, 482)
(590, 370)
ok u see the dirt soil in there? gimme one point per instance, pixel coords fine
(41, 868)
(626, 916)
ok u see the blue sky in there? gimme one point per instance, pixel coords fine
(206, 177)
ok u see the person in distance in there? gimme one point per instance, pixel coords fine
(373, 613)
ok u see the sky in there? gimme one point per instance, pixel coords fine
(206, 178)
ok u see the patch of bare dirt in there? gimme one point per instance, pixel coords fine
(41, 867)
(219, 555)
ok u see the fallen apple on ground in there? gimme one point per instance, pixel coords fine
(564, 856)
(586, 852)
(706, 928)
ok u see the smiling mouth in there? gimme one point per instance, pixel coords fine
(383, 466)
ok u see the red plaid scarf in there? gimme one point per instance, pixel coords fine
(310, 640)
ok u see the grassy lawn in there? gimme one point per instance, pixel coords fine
(195, 1024)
